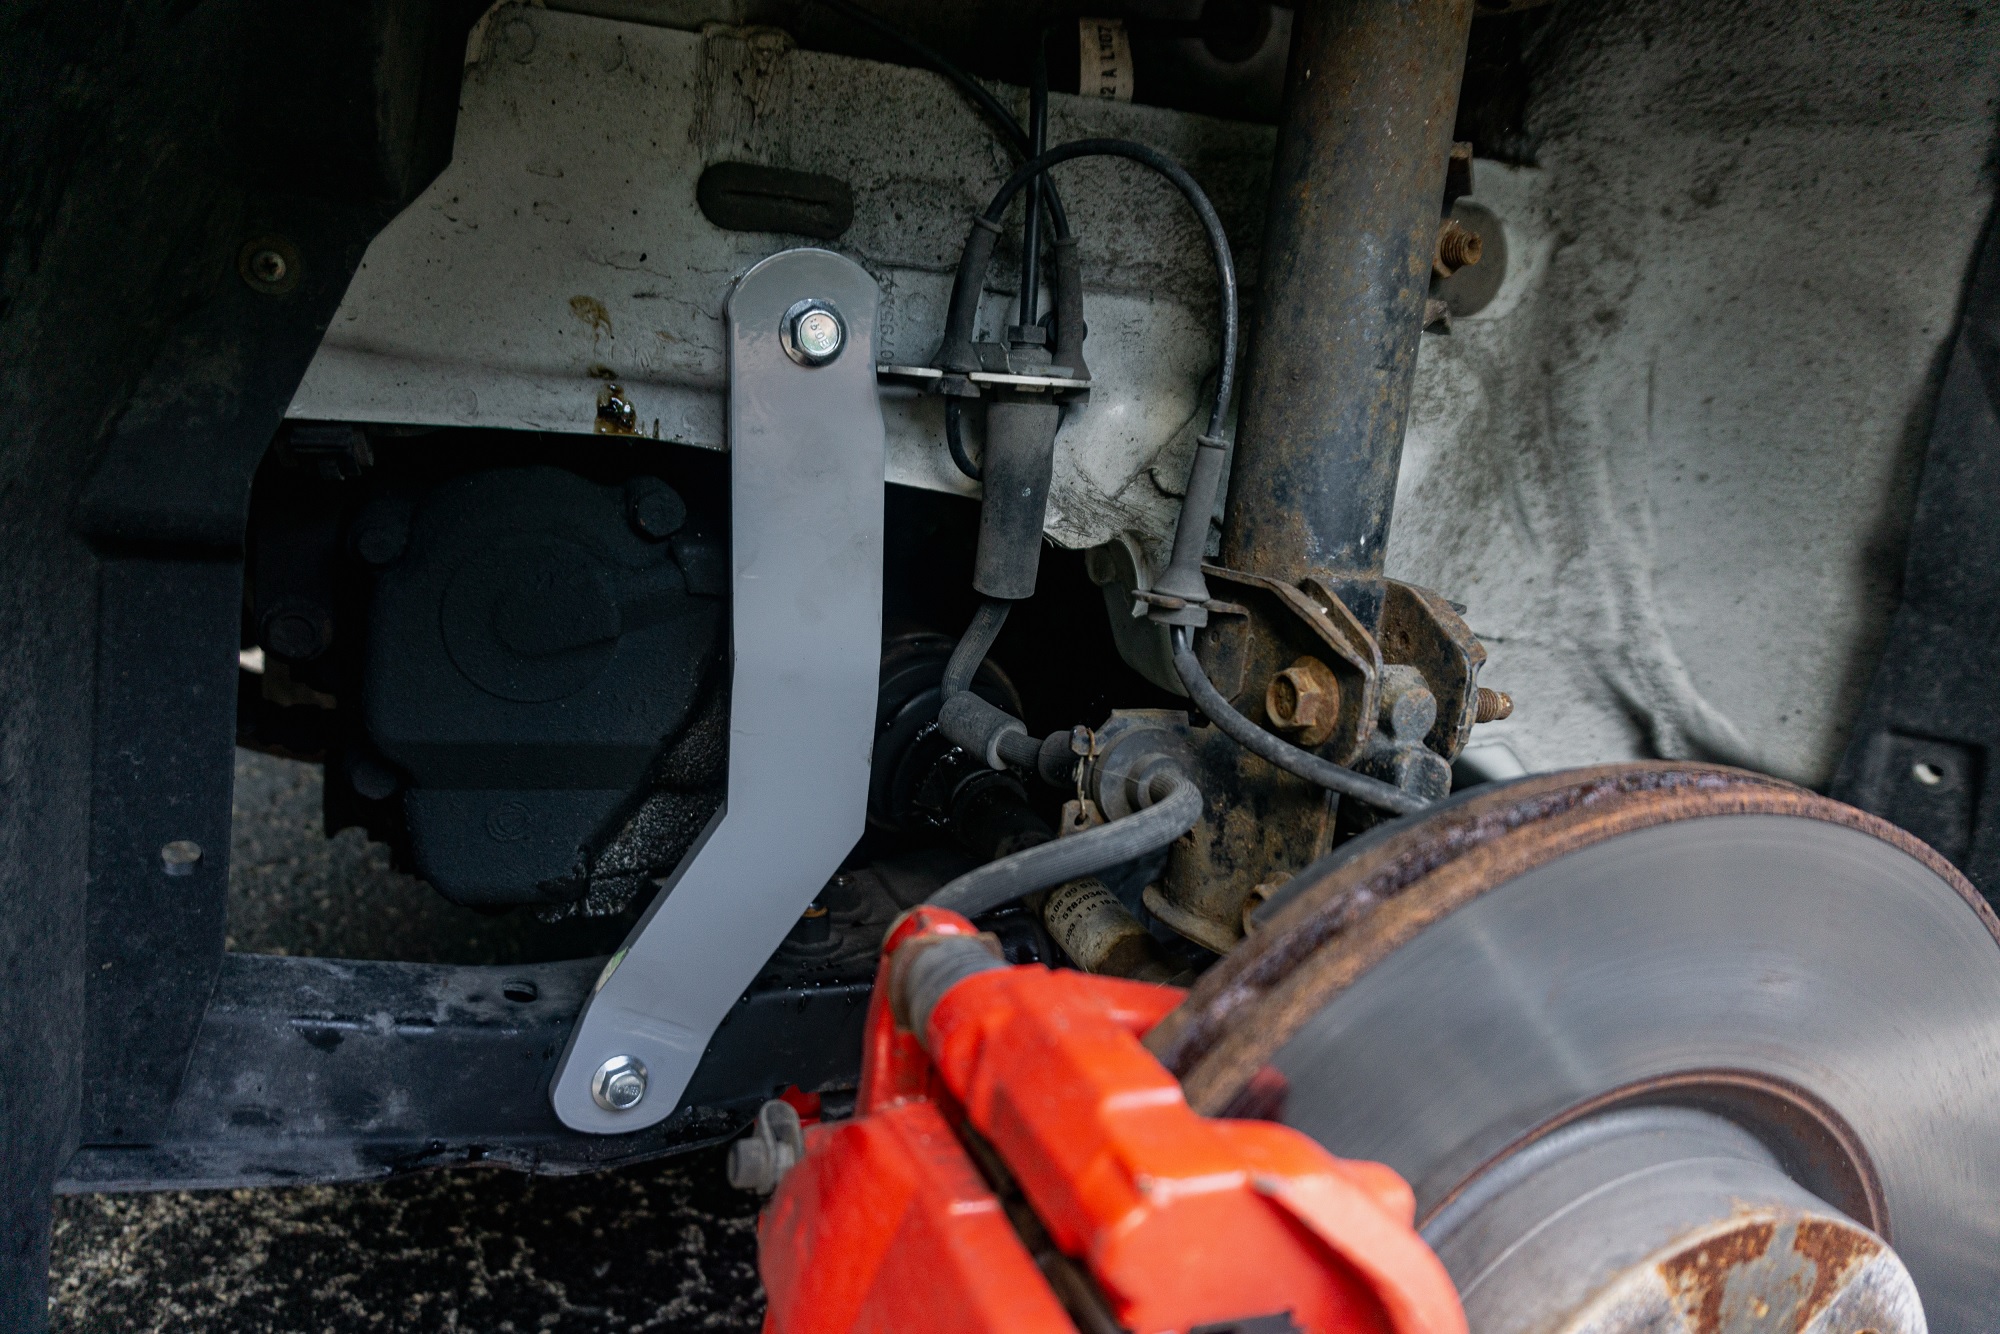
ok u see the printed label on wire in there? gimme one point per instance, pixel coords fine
(1104, 59)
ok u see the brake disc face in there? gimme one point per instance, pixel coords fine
(1660, 1047)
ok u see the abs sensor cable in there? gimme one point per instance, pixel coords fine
(1283, 754)
(1176, 804)
(1067, 283)
(1183, 578)
(956, 353)
(980, 96)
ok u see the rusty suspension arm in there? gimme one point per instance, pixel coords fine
(1350, 233)
(1369, 103)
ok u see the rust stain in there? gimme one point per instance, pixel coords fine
(615, 413)
(1835, 1252)
(1697, 1276)
(592, 312)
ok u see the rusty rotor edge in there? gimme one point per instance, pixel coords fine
(1252, 1002)
(1820, 1138)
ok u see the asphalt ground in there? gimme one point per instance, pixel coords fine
(664, 1246)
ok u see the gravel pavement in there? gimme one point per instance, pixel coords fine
(665, 1246)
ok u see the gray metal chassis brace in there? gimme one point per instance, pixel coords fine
(806, 448)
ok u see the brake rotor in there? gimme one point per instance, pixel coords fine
(1659, 1047)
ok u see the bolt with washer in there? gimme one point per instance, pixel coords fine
(813, 333)
(619, 1084)
(1304, 699)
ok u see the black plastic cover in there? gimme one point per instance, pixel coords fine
(529, 654)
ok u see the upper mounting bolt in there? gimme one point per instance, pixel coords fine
(813, 333)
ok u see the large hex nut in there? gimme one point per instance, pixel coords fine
(1304, 699)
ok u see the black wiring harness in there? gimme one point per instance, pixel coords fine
(1180, 597)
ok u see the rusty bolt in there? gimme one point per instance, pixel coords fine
(1257, 898)
(1493, 705)
(1304, 698)
(1457, 246)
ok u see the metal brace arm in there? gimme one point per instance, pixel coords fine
(806, 464)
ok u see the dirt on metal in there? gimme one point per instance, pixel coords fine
(660, 1246)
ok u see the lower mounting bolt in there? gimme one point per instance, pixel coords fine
(619, 1084)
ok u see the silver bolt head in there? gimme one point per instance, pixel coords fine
(813, 333)
(819, 334)
(619, 1084)
(269, 266)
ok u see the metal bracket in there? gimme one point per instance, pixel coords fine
(806, 461)
(1052, 377)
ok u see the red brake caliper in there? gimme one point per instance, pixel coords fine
(1019, 1162)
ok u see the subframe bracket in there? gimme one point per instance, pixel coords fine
(806, 447)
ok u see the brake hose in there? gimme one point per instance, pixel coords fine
(974, 645)
(1068, 280)
(1176, 806)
